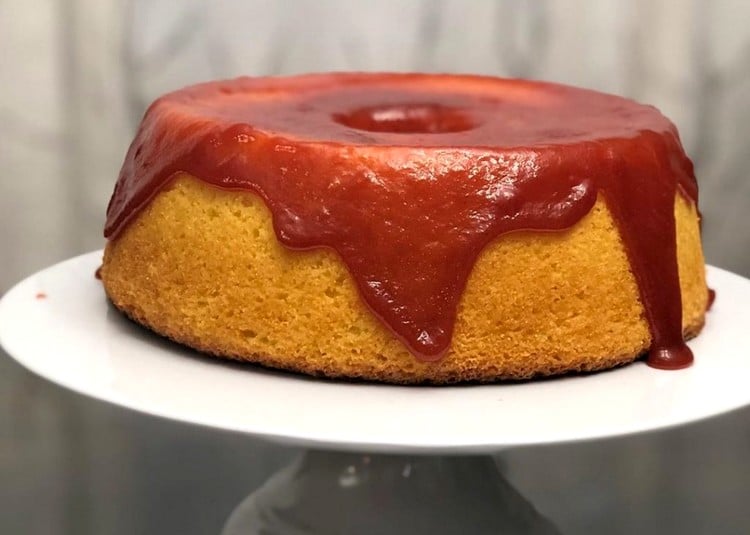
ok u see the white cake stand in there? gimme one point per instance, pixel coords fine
(381, 459)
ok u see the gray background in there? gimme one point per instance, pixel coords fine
(75, 77)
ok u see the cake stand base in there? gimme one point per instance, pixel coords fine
(335, 493)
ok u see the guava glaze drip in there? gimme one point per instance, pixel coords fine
(409, 177)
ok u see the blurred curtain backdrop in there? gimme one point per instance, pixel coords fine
(77, 76)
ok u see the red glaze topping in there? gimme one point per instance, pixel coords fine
(711, 298)
(408, 177)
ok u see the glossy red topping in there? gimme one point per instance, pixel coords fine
(409, 176)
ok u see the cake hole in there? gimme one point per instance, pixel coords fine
(407, 119)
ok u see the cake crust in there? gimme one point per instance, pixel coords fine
(202, 266)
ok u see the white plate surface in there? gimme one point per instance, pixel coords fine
(75, 338)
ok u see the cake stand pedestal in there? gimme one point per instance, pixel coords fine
(327, 492)
(424, 471)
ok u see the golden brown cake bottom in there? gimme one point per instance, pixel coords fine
(202, 266)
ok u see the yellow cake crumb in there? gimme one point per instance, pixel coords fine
(203, 267)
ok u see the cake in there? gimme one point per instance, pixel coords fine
(409, 228)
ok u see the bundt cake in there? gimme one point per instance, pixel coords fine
(409, 228)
